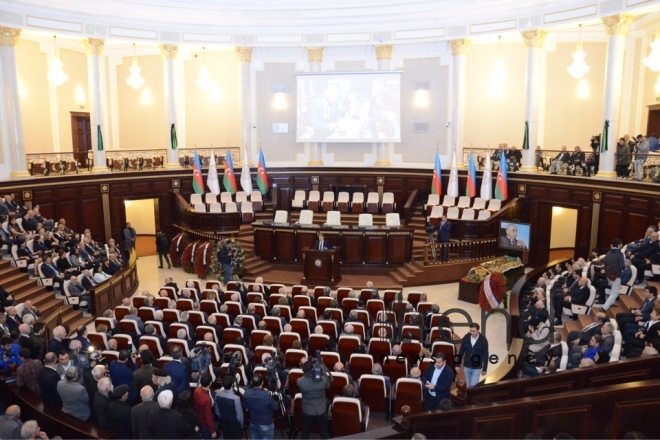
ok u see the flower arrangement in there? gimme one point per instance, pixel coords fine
(178, 243)
(492, 292)
(237, 262)
(202, 260)
(501, 264)
(188, 257)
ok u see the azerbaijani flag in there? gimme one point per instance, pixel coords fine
(229, 181)
(471, 188)
(502, 188)
(198, 182)
(436, 184)
(262, 176)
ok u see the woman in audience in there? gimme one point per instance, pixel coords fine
(185, 407)
(50, 241)
(63, 264)
(99, 275)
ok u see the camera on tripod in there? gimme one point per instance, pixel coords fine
(271, 374)
(430, 229)
(317, 367)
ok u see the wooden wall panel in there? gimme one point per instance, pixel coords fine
(609, 226)
(635, 226)
(500, 426)
(575, 420)
(613, 199)
(638, 203)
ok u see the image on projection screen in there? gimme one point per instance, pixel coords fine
(349, 107)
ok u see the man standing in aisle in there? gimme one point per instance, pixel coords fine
(641, 154)
(444, 230)
(226, 257)
(614, 265)
(314, 407)
(129, 238)
(474, 355)
(437, 382)
(163, 249)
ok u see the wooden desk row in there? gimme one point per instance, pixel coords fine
(377, 245)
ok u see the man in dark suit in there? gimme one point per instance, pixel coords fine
(321, 244)
(642, 314)
(178, 371)
(48, 379)
(437, 382)
(87, 280)
(50, 271)
(170, 283)
(167, 423)
(444, 230)
(474, 355)
(142, 414)
(584, 336)
(580, 297)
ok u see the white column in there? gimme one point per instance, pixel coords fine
(534, 42)
(616, 28)
(168, 52)
(94, 49)
(315, 57)
(10, 115)
(459, 50)
(244, 55)
(384, 57)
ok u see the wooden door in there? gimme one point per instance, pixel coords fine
(81, 135)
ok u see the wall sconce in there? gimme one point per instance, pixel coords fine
(583, 89)
(421, 98)
(22, 92)
(215, 95)
(280, 102)
(80, 95)
(146, 98)
(56, 74)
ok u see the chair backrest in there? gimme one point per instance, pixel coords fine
(494, 205)
(215, 207)
(360, 364)
(449, 201)
(346, 416)
(255, 196)
(328, 196)
(247, 207)
(196, 199)
(347, 345)
(314, 196)
(210, 198)
(483, 215)
(343, 197)
(199, 207)
(233, 348)
(358, 197)
(452, 213)
(468, 214)
(281, 216)
(257, 337)
(373, 197)
(299, 194)
(392, 219)
(463, 202)
(433, 200)
(158, 326)
(388, 197)
(437, 212)
(479, 203)
(225, 197)
(317, 342)
(306, 217)
(394, 369)
(333, 218)
(98, 340)
(153, 344)
(373, 392)
(241, 196)
(408, 392)
(366, 220)
(330, 358)
(293, 356)
(231, 207)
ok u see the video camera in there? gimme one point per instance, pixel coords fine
(271, 374)
(430, 229)
(595, 142)
(234, 364)
(318, 367)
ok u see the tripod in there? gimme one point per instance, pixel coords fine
(433, 250)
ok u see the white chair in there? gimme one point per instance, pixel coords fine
(433, 200)
(298, 199)
(200, 207)
(241, 196)
(210, 198)
(484, 214)
(479, 203)
(70, 299)
(281, 216)
(463, 202)
(195, 199)
(494, 205)
(468, 214)
(392, 219)
(449, 201)
(373, 202)
(231, 207)
(215, 207)
(615, 354)
(366, 220)
(15, 261)
(306, 217)
(328, 201)
(627, 289)
(247, 212)
(343, 200)
(314, 200)
(257, 200)
(563, 362)
(30, 246)
(452, 213)
(357, 205)
(579, 309)
(388, 204)
(333, 218)
(225, 198)
(436, 212)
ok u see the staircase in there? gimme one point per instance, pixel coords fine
(23, 288)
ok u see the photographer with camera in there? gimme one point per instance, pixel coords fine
(261, 406)
(312, 385)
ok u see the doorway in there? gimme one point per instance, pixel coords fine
(142, 214)
(562, 233)
(81, 135)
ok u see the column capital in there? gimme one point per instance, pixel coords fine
(314, 54)
(244, 54)
(94, 46)
(460, 47)
(168, 51)
(617, 24)
(9, 36)
(534, 38)
(383, 52)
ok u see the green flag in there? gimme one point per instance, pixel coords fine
(526, 137)
(603, 138)
(99, 137)
(173, 137)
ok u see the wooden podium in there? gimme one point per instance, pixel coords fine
(321, 267)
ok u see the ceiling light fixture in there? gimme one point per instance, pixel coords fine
(653, 60)
(135, 80)
(579, 68)
(56, 74)
(499, 73)
(204, 82)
